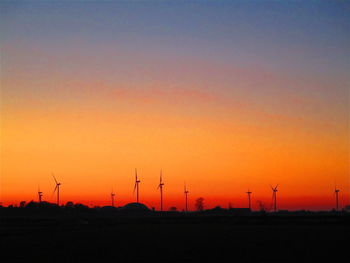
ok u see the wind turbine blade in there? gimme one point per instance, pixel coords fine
(55, 189)
(54, 179)
(134, 188)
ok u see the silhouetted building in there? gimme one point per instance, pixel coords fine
(135, 207)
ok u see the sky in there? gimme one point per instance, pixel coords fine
(223, 95)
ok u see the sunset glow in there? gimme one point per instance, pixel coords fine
(91, 92)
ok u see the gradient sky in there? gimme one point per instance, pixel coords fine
(225, 95)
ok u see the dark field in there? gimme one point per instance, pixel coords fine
(174, 238)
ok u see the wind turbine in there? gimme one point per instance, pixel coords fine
(136, 187)
(274, 197)
(160, 186)
(40, 195)
(112, 197)
(249, 202)
(186, 193)
(336, 192)
(57, 188)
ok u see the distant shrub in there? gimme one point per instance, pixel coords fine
(200, 204)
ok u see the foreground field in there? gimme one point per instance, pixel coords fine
(190, 238)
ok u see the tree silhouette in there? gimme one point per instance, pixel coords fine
(70, 204)
(200, 204)
(173, 209)
(262, 206)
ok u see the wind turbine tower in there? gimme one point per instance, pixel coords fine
(112, 197)
(57, 188)
(336, 192)
(136, 186)
(160, 186)
(186, 193)
(274, 197)
(249, 201)
(40, 195)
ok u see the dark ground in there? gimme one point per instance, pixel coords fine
(173, 238)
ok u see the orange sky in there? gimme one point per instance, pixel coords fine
(93, 98)
(93, 147)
